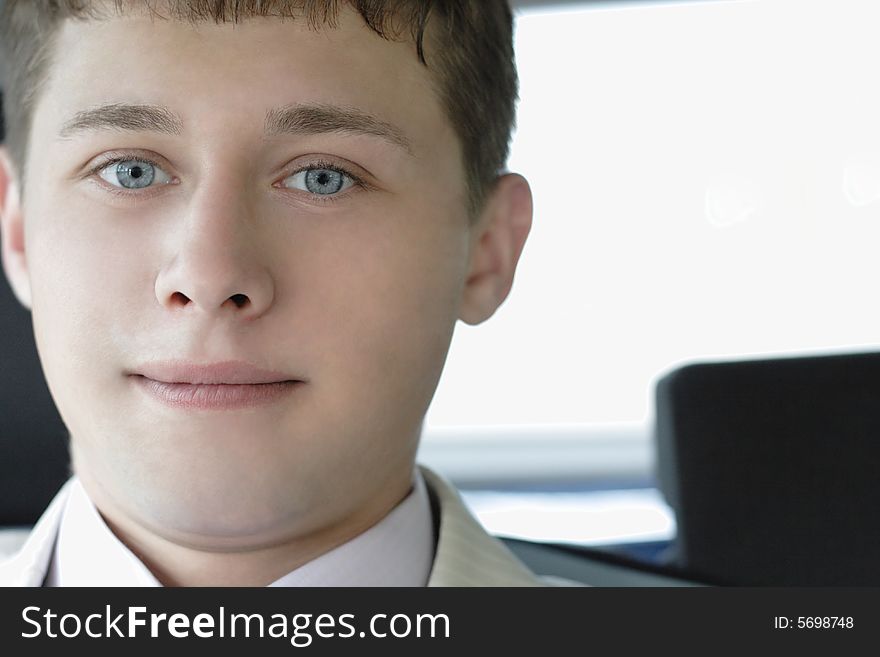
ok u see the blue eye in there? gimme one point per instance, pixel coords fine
(128, 172)
(133, 174)
(321, 181)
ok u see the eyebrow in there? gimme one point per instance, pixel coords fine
(317, 119)
(295, 119)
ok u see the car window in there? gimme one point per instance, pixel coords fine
(705, 177)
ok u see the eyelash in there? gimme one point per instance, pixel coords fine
(318, 164)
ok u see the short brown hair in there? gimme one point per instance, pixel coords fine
(470, 51)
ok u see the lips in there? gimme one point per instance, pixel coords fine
(226, 372)
(226, 385)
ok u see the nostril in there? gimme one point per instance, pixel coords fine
(239, 299)
(180, 298)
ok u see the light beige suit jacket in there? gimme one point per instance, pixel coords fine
(466, 554)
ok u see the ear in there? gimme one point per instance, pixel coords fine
(12, 232)
(496, 244)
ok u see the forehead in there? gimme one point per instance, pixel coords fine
(212, 75)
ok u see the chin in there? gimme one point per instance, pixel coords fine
(224, 511)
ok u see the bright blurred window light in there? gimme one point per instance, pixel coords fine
(707, 186)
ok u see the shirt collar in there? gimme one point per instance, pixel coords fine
(397, 551)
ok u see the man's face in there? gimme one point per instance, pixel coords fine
(353, 290)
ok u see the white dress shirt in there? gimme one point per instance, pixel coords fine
(397, 551)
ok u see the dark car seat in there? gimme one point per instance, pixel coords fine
(772, 469)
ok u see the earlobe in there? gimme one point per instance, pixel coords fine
(499, 238)
(12, 232)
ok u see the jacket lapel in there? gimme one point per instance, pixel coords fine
(466, 554)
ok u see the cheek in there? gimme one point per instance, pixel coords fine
(77, 279)
(390, 306)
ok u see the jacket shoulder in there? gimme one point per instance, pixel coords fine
(11, 541)
(25, 552)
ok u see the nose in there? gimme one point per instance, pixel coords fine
(217, 266)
